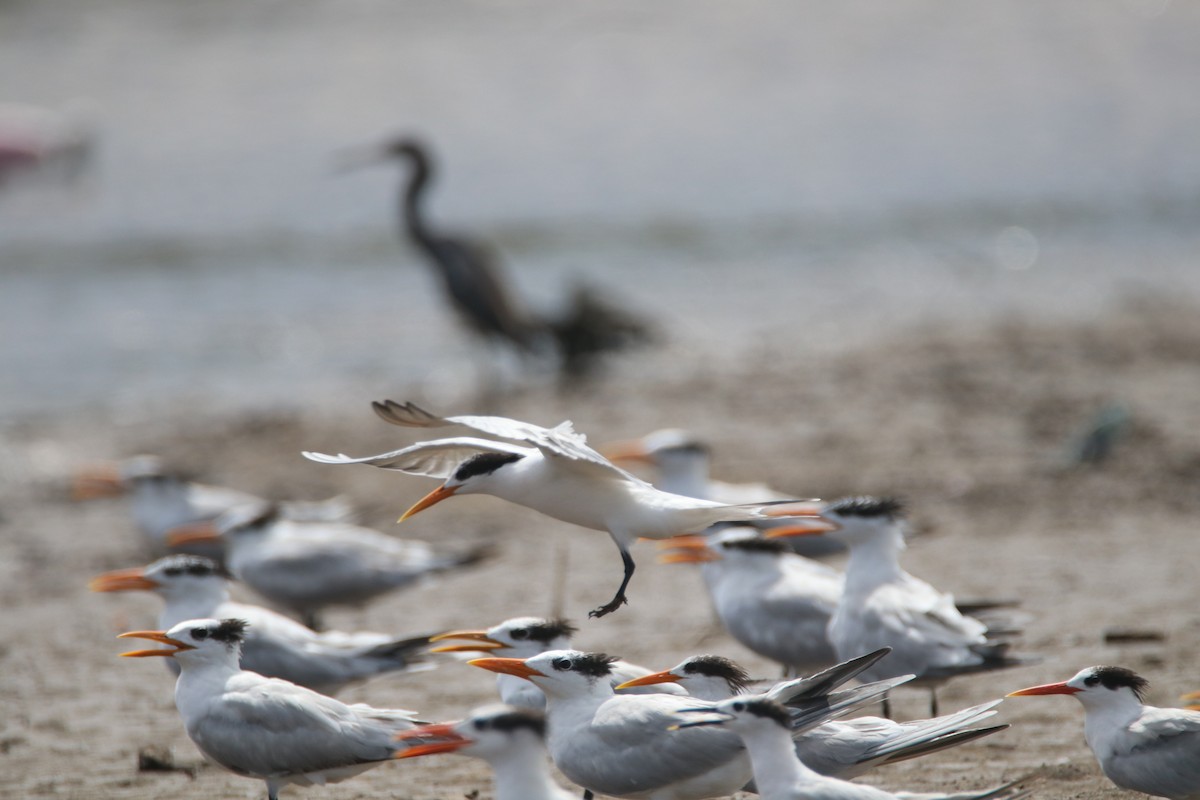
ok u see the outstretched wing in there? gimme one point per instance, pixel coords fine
(561, 441)
(436, 459)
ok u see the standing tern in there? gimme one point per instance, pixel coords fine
(553, 471)
(194, 587)
(525, 637)
(306, 566)
(510, 739)
(778, 774)
(771, 600)
(162, 499)
(621, 745)
(681, 461)
(1139, 747)
(268, 728)
(884, 606)
(838, 748)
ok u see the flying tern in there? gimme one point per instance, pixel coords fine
(162, 498)
(1139, 747)
(306, 566)
(839, 748)
(778, 774)
(681, 461)
(510, 739)
(884, 606)
(276, 646)
(620, 744)
(525, 637)
(268, 728)
(553, 471)
(774, 602)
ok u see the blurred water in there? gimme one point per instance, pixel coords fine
(741, 170)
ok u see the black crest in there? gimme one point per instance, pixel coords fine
(594, 665)
(547, 630)
(484, 464)
(868, 507)
(197, 566)
(718, 667)
(248, 518)
(685, 448)
(230, 631)
(757, 544)
(514, 720)
(762, 707)
(1116, 677)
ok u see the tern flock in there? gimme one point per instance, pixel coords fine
(254, 685)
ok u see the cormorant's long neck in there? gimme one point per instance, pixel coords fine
(411, 202)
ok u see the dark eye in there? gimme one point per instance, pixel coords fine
(172, 570)
(1091, 680)
(200, 634)
(739, 706)
(562, 663)
(479, 725)
(520, 634)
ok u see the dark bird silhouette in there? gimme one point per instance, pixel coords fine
(474, 284)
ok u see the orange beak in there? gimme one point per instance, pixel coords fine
(95, 482)
(433, 498)
(626, 450)
(666, 676)
(1047, 688)
(447, 740)
(1192, 696)
(688, 556)
(482, 643)
(507, 666)
(800, 508)
(814, 527)
(154, 636)
(191, 533)
(122, 580)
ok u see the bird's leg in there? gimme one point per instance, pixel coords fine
(618, 598)
(933, 705)
(887, 706)
(587, 794)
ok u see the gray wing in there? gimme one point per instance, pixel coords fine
(270, 727)
(561, 441)
(1164, 756)
(436, 459)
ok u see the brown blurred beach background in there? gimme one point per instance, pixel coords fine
(912, 248)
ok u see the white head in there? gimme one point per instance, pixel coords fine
(558, 673)
(856, 521)
(1097, 687)
(116, 478)
(196, 641)
(493, 733)
(235, 526)
(705, 676)
(178, 577)
(479, 474)
(519, 637)
(680, 457)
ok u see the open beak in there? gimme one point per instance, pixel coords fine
(666, 676)
(191, 533)
(480, 642)
(1192, 696)
(686, 549)
(154, 636)
(810, 527)
(122, 580)
(507, 666)
(433, 498)
(430, 740)
(1047, 688)
(95, 482)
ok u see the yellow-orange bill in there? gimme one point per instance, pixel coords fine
(1046, 688)
(96, 482)
(507, 666)
(478, 642)
(121, 580)
(154, 636)
(191, 533)
(649, 680)
(433, 498)
(814, 527)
